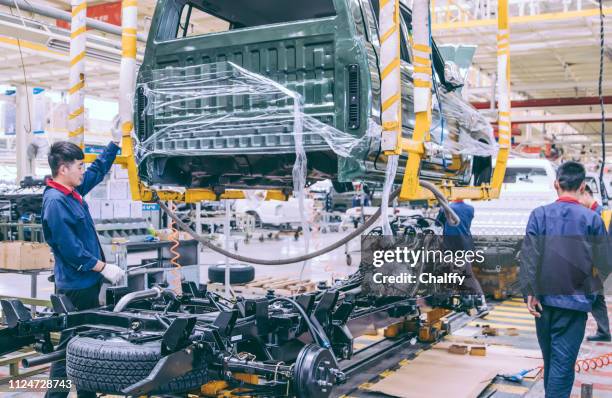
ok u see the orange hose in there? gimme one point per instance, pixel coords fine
(174, 238)
(593, 363)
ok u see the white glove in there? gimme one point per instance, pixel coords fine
(112, 273)
(116, 130)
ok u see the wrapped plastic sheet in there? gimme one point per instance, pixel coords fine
(221, 108)
(466, 131)
(390, 173)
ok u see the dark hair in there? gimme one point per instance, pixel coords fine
(588, 189)
(63, 153)
(570, 176)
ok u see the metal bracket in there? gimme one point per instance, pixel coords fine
(168, 368)
(177, 334)
(14, 312)
(61, 304)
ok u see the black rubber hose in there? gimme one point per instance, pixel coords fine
(450, 215)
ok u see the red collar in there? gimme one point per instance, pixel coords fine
(568, 199)
(594, 206)
(64, 190)
(458, 201)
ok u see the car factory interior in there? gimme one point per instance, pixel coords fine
(291, 198)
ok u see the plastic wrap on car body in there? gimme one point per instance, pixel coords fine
(472, 134)
(221, 108)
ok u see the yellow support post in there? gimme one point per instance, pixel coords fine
(391, 77)
(422, 78)
(76, 96)
(127, 86)
(503, 84)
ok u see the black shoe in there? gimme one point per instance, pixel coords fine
(598, 337)
(483, 311)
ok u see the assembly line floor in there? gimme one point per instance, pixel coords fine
(510, 314)
(507, 315)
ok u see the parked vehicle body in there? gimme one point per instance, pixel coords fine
(592, 180)
(499, 225)
(528, 183)
(274, 213)
(325, 50)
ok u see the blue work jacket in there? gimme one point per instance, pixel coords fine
(564, 243)
(70, 231)
(458, 237)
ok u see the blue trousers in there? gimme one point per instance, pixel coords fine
(600, 313)
(560, 332)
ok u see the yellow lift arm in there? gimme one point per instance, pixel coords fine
(415, 147)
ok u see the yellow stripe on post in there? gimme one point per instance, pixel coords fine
(422, 61)
(389, 68)
(390, 101)
(76, 88)
(388, 34)
(422, 48)
(422, 69)
(128, 47)
(77, 59)
(76, 10)
(76, 132)
(76, 114)
(78, 32)
(422, 83)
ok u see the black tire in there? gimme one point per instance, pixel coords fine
(239, 273)
(109, 366)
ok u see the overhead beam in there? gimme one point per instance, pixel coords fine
(530, 87)
(571, 118)
(65, 16)
(548, 102)
(552, 16)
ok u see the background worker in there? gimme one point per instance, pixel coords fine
(600, 309)
(459, 237)
(556, 275)
(70, 232)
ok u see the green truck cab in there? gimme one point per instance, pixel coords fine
(326, 51)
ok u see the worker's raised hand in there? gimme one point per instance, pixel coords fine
(112, 273)
(116, 130)
(534, 306)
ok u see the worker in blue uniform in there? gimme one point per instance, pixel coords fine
(459, 237)
(600, 309)
(70, 232)
(564, 241)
